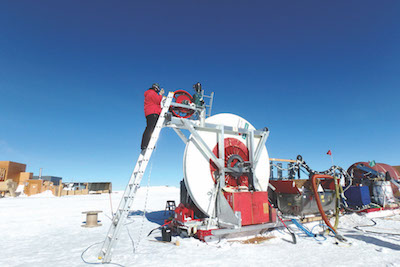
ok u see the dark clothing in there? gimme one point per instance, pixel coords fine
(151, 123)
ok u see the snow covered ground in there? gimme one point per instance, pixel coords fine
(43, 230)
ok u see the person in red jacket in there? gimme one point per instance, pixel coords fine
(152, 110)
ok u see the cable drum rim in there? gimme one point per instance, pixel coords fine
(197, 176)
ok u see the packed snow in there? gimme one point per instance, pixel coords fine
(44, 230)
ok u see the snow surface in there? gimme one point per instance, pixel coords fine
(46, 231)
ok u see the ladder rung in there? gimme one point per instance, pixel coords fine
(127, 210)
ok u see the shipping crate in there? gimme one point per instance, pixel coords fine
(11, 170)
(33, 187)
(48, 186)
(24, 176)
(78, 192)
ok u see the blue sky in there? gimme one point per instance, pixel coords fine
(320, 74)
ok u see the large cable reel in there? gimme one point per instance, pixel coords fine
(199, 172)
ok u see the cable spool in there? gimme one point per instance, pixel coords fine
(182, 97)
(198, 171)
(236, 152)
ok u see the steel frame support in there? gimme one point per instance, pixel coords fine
(182, 123)
(259, 148)
(219, 210)
(218, 234)
(201, 145)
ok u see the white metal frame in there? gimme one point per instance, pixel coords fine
(221, 211)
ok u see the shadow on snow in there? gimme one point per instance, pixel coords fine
(157, 217)
(375, 241)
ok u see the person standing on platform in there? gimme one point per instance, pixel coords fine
(152, 109)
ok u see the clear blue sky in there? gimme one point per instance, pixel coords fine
(320, 74)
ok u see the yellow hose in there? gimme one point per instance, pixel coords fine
(337, 189)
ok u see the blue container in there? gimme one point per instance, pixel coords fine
(358, 196)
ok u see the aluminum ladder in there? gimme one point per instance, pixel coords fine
(133, 185)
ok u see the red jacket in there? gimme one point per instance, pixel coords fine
(152, 102)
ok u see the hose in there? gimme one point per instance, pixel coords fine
(290, 231)
(319, 204)
(159, 227)
(337, 207)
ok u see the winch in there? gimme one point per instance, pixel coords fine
(224, 187)
(226, 171)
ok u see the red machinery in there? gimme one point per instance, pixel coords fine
(224, 192)
(182, 97)
(253, 206)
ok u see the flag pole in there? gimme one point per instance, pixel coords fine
(330, 154)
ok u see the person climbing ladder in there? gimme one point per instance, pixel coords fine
(152, 109)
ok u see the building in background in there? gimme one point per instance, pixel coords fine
(54, 179)
(13, 175)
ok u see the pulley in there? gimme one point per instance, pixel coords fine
(184, 98)
(236, 153)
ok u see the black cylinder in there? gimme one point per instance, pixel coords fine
(166, 234)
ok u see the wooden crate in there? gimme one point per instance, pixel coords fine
(33, 187)
(311, 219)
(12, 170)
(25, 176)
(58, 190)
(48, 185)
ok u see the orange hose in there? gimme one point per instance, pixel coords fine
(318, 199)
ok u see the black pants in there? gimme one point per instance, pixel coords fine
(151, 123)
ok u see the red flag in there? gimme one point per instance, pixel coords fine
(329, 153)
